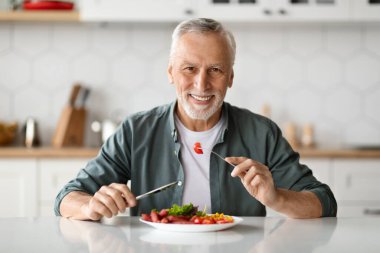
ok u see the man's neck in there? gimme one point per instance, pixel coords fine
(198, 125)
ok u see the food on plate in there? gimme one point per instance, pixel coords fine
(186, 214)
(198, 148)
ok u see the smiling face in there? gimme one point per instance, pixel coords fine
(201, 70)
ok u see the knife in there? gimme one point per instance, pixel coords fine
(159, 189)
(81, 98)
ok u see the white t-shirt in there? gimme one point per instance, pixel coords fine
(197, 166)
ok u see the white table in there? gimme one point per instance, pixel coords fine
(128, 234)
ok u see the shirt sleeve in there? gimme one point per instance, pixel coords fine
(112, 165)
(288, 173)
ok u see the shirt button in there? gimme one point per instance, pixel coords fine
(175, 152)
(179, 183)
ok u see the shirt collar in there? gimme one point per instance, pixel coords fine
(174, 131)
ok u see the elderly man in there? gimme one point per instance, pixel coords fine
(153, 148)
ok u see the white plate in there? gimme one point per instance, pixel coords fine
(194, 228)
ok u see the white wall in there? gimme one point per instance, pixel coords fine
(328, 75)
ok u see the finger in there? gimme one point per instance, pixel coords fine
(239, 171)
(254, 185)
(250, 175)
(243, 164)
(129, 198)
(116, 192)
(93, 215)
(96, 210)
(103, 196)
(242, 168)
(235, 160)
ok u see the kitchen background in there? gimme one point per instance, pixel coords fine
(307, 62)
(324, 74)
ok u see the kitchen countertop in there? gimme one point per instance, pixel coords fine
(49, 152)
(128, 234)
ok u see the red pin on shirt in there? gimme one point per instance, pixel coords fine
(199, 150)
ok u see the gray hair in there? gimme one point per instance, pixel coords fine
(202, 25)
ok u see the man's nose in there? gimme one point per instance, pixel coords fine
(201, 80)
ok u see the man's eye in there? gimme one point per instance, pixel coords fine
(189, 68)
(217, 70)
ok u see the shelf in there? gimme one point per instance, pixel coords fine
(40, 16)
(48, 152)
(338, 153)
(87, 152)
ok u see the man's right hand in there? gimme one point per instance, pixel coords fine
(108, 201)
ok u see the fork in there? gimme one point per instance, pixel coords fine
(197, 148)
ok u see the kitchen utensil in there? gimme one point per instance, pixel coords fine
(290, 135)
(307, 139)
(8, 133)
(159, 189)
(81, 98)
(71, 125)
(30, 133)
(47, 5)
(199, 150)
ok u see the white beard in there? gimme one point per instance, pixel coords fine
(201, 113)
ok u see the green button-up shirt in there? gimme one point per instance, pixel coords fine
(145, 150)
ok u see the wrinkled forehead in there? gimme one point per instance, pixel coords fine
(207, 46)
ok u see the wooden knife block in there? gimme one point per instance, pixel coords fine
(70, 128)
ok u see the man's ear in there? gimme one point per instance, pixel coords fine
(231, 79)
(170, 76)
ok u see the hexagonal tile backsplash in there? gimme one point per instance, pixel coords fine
(326, 75)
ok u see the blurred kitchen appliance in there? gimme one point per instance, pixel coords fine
(30, 135)
(105, 128)
(71, 125)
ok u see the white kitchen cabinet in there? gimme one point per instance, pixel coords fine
(229, 10)
(329, 10)
(136, 10)
(365, 10)
(354, 183)
(321, 170)
(357, 186)
(275, 10)
(357, 179)
(235, 10)
(53, 174)
(28, 187)
(18, 189)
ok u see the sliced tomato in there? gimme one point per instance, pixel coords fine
(146, 217)
(197, 220)
(223, 221)
(154, 216)
(163, 213)
(208, 221)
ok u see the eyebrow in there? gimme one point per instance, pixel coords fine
(216, 65)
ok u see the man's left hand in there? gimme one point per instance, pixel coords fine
(256, 178)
